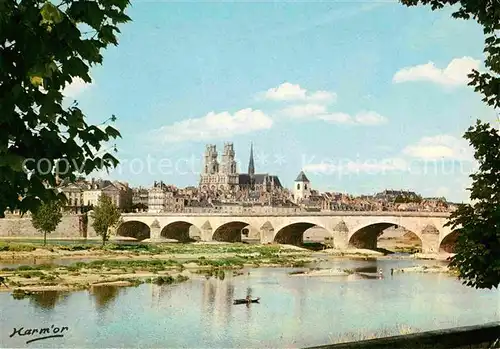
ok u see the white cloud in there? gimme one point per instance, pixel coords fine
(76, 87)
(293, 92)
(455, 74)
(336, 118)
(344, 166)
(304, 111)
(370, 118)
(215, 126)
(319, 112)
(440, 147)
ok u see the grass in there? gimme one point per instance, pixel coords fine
(12, 247)
(167, 280)
(156, 265)
(408, 249)
(165, 248)
(31, 274)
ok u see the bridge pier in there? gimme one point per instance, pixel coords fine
(155, 231)
(266, 233)
(340, 236)
(430, 239)
(206, 232)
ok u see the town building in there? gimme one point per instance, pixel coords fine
(119, 193)
(301, 188)
(74, 194)
(140, 198)
(83, 194)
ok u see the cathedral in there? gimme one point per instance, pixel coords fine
(224, 177)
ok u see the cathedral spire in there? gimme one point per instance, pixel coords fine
(251, 166)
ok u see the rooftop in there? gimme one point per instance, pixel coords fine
(301, 177)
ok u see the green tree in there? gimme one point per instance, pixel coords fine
(45, 46)
(478, 224)
(105, 216)
(46, 218)
(477, 256)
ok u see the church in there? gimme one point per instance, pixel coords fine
(223, 177)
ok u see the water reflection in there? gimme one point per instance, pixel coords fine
(104, 296)
(217, 300)
(160, 293)
(43, 300)
(368, 269)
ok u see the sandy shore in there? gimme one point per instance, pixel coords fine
(62, 279)
(424, 269)
(322, 273)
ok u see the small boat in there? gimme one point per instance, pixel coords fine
(245, 301)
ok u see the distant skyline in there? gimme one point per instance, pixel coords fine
(361, 96)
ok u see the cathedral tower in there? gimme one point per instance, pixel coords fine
(228, 162)
(211, 163)
(251, 168)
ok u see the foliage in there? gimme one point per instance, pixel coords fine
(46, 218)
(105, 216)
(43, 48)
(405, 199)
(16, 247)
(478, 224)
(477, 258)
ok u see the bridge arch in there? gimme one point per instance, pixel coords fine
(181, 231)
(293, 233)
(366, 236)
(231, 231)
(134, 229)
(449, 242)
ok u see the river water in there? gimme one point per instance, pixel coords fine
(294, 311)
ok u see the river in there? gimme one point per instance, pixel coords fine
(294, 311)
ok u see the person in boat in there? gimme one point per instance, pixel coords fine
(248, 299)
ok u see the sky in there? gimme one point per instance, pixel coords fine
(362, 96)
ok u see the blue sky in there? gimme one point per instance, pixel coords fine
(361, 95)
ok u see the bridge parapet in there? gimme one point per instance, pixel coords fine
(296, 214)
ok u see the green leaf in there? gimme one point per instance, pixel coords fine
(112, 132)
(108, 158)
(13, 161)
(36, 80)
(87, 12)
(106, 34)
(89, 166)
(51, 14)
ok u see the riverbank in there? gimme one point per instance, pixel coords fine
(333, 272)
(14, 251)
(133, 264)
(46, 277)
(127, 265)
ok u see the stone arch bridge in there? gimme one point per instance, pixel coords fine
(348, 229)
